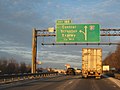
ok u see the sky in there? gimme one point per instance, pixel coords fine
(19, 17)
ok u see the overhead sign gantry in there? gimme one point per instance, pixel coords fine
(68, 33)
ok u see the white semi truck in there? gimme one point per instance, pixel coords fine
(91, 62)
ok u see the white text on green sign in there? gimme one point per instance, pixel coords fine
(77, 33)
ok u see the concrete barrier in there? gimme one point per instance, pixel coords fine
(117, 76)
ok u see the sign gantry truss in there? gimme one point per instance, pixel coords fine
(45, 33)
(104, 32)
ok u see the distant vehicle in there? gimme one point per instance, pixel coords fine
(78, 71)
(70, 71)
(92, 62)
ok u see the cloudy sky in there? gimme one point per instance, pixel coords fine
(18, 17)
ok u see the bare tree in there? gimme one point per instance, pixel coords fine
(3, 65)
(11, 66)
(113, 59)
(23, 68)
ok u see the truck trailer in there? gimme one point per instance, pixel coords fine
(91, 62)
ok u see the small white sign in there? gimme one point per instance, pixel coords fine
(51, 29)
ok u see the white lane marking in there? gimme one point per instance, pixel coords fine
(114, 86)
(66, 84)
(94, 85)
(70, 82)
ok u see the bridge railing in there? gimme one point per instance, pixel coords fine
(8, 78)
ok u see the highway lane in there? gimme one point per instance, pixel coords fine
(65, 83)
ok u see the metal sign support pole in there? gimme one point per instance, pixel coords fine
(34, 50)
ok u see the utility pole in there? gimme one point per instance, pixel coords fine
(34, 50)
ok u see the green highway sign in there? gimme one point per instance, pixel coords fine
(63, 21)
(69, 32)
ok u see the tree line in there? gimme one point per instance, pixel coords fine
(11, 66)
(113, 59)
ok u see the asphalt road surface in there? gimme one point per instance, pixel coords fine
(63, 83)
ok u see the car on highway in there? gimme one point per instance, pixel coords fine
(78, 71)
(70, 71)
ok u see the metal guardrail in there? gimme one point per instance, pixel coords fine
(27, 76)
(117, 76)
